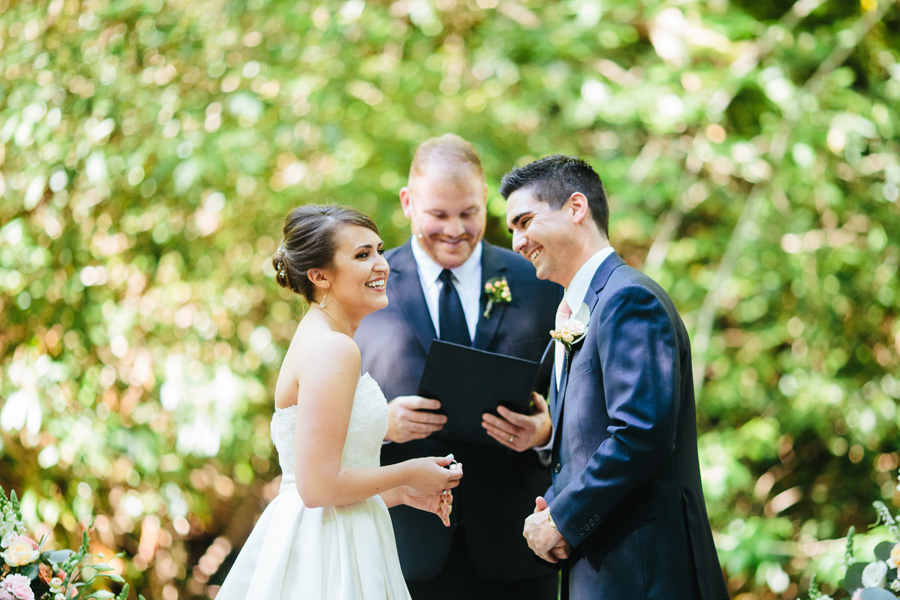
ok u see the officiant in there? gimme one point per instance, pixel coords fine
(448, 283)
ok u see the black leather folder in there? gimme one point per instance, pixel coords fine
(470, 382)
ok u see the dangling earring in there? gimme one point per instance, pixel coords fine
(322, 303)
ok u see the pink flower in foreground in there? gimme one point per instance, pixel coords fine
(18, 587)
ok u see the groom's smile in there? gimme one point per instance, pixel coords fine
(542, 235)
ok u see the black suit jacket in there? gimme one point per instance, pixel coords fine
(626, 487)
(499, 486)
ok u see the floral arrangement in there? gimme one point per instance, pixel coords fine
(572, 332)
(497, 290)
(29, 572)
(876, 580)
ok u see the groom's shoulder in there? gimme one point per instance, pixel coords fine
(626, 275)
(628, 280)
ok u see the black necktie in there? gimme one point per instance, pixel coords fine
(451, 318)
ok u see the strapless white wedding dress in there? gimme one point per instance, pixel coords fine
(329, 553)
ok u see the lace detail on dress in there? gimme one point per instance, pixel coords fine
(368, 424)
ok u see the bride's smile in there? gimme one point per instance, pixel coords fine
(358, 275)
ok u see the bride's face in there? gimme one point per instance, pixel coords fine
(359, 271)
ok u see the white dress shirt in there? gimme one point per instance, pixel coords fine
(574, 296)
(468, 285)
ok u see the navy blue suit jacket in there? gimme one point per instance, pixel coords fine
(626, 487)
(499, 486)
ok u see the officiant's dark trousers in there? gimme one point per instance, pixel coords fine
(459, 580)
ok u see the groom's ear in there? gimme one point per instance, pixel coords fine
(578, 204)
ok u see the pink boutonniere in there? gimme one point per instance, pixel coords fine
(497, 290)
(574, 329)
(572, 332)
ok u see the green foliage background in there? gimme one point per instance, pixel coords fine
(149, 150)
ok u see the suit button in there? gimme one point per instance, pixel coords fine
(557, 468)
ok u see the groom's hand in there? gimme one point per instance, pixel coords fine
(544, 539)
(520, 432)
(408, 418)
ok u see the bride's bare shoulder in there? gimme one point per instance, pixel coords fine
(319, 346)
(317, 355)
(329, 346)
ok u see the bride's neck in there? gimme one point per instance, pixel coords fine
(338, 319)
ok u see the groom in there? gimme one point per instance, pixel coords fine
(625, 511)
(437, 290)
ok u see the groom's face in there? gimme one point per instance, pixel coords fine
(546, 237)
(447, 212)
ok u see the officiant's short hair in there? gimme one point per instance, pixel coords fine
(310, 242)
(448, 148)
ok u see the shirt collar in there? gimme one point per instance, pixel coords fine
(430, 270)
(578, 287)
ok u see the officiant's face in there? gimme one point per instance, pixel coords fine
(447, 212)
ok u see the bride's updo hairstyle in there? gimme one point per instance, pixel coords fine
(310, 241)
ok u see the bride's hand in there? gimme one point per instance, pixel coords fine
(439, 504)
(434, 474)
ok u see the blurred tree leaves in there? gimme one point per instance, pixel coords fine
(150, 149)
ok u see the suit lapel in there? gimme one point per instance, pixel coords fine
(492, 266)
(405, 289)
(591, 298)
(561, 394)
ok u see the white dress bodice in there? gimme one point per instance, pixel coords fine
(368, 424)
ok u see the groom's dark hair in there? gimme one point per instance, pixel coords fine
(553, 179)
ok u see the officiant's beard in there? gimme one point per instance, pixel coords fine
(448, 255)
(432, 240)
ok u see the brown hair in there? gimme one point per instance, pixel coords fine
(450, 150)
(553, 180)
(310, 242)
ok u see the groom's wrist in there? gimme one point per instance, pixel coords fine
(550, 520)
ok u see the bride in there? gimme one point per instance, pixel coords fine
(327, 535)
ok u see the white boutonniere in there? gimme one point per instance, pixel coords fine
(497, 290)
(573, 330)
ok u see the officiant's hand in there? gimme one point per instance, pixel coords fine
(542, 537)
(408, 418)
(520, 432)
